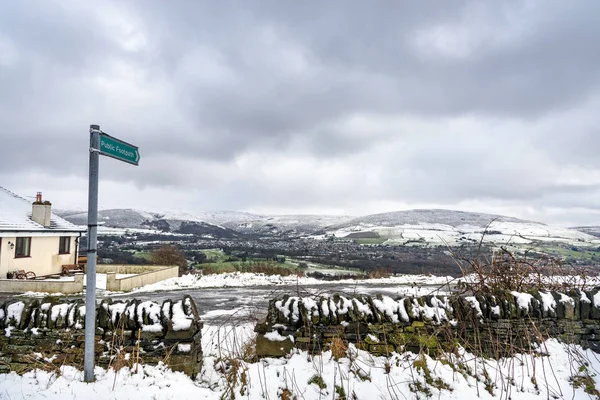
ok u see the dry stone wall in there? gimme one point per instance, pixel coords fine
(47, 332)
(493, 325)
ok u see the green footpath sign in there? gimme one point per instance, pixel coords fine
(115, 148)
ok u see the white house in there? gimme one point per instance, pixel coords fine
(34, 239)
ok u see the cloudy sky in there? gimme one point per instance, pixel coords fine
(341, 107)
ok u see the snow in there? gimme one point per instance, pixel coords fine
(116, 309)
(548, 302)
(474, 304)
(14, 312)
(275, 336)
(574, 281)
(447, 227)
(362, 375)
(268, 377)
(584, 298)
(361, 307)
(40, 294)
(284, 308)
(388, 306)
(435, 313)
(59, 310)
(373, 338)
(180, 320)
(151, 310)
(566, 299)
(402, 311)
(246, 279)
(324, 307)
(312, 308)
(184, 347)
(596, 300)
(495, 310)
(523, 299)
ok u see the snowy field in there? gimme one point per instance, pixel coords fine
(247, 279)
(498, 232)
(357, 375)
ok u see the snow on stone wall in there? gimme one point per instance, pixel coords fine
(383, 324)
(33, 330)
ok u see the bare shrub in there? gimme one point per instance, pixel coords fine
(506, 271)
(379, 273)
(170, 255)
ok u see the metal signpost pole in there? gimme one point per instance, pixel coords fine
(100, 144)
(90, 270)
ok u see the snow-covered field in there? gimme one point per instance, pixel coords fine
(498, 232)
(244, 279)
(358, 375)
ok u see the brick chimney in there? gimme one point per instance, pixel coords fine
(41, 211)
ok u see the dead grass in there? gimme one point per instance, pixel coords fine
(248, 351)
(338, 348)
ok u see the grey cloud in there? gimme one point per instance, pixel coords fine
(218, 81)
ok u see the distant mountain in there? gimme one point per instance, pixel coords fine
(286, 225)
(167, 222)
(590, 230)
(220, 224)
(118, 218)
(451, 227)
(429, 226)
(431, 216)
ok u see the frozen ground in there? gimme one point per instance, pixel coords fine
(358, 375)
(246, 279)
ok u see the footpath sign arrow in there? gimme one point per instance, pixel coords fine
(115, 148)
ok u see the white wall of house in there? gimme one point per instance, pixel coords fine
(44, 258)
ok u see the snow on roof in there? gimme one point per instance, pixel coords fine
(15, 215)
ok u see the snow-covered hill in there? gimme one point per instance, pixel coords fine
(431, 226)
(288, 225)
(453, 227)
(176, 222)
(114, 218)
(590, 230)
(225, 223)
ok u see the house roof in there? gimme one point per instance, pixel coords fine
(15, 215)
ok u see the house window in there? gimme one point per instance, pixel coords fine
(64, 245)
(23, 247)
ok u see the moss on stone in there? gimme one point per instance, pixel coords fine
(273, 348)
